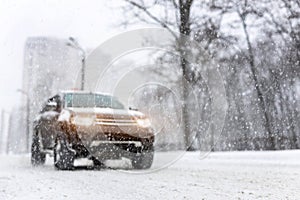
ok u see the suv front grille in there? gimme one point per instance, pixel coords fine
(115, 122)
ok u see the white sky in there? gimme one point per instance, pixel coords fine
(91, 22)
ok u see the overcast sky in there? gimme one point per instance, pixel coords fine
(91, 22)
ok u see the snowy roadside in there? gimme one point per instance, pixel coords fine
(221, 175)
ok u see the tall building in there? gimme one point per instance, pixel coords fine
(50, 65)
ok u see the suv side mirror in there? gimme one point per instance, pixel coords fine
(51, 105)
(131, 108)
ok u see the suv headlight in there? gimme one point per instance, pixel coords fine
(143, 122)
(82, 120)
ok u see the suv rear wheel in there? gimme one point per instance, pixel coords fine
(37, 156)
(63, 156)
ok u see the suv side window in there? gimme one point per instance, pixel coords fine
(68, 100)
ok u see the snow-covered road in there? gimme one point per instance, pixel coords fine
(228, 175)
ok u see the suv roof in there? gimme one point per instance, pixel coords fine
(84, 92)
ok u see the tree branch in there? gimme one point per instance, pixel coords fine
(144, 9)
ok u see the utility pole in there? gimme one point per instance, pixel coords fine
(73, 43)
(27, 118)
(2, 131)
(8, 144)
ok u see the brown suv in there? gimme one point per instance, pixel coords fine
(78, 124)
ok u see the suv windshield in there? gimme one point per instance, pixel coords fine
(91, 101)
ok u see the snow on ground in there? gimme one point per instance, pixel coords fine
(224, 175)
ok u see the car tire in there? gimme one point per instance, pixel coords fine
(144, 159)
(63, 156)
(37, 156)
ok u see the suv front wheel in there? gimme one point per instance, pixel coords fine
(63, 156)
(144, 159)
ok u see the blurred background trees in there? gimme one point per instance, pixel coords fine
(256, 46)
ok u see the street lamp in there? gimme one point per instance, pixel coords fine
(73, 43)
(8, 132)
(27, 117)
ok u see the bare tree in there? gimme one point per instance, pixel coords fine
(178, 18)
(244, 10)
(181, 19)
(283, 16)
